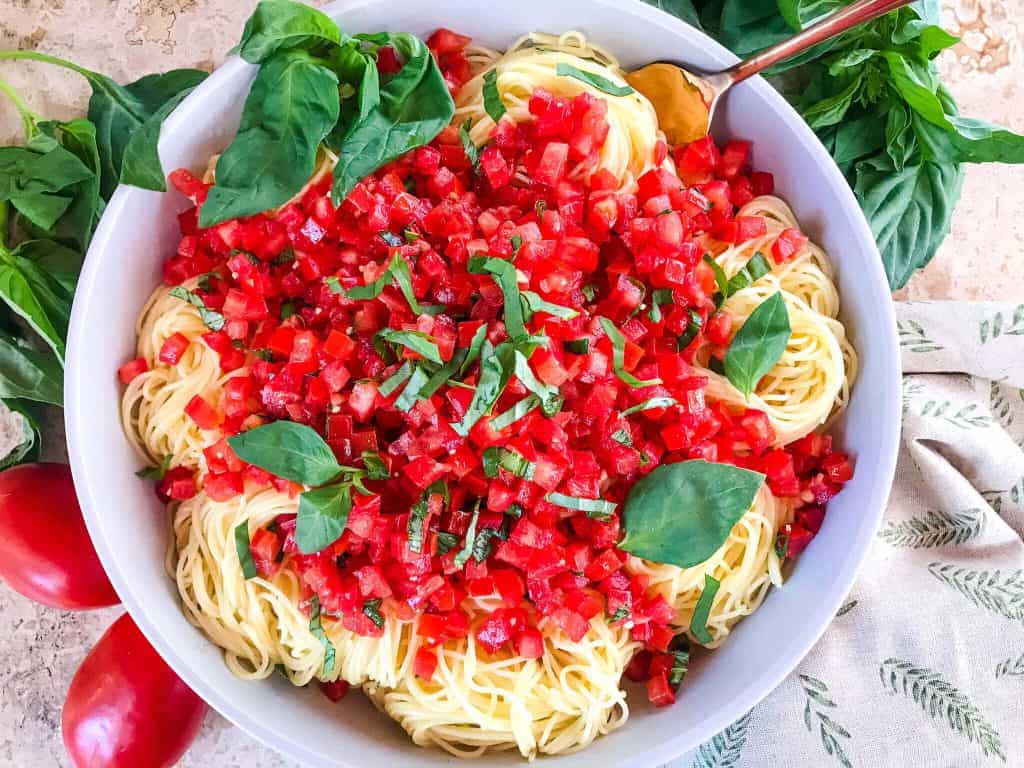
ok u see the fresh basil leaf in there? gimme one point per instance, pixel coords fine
(681, 9)
(411, 393)
(323, 513)
(442, 375)
(515, 413)
(918, 85)
(721, 279)
(495, 458)
(156, 473)
(622, 437)
(119, 111)
(393, 240)
(621, 614)
(758, 344)
(659, 297)
(910, 211)
(602, 84)
(316, 627)
(687, 337)
(463, 555)
(243, 550)
(504, 274)
(577, 346)
(413, 107)
(29, 290)
(550, 399)
(650, 404)
(376, 469)
(446, 542)
(701, 613)
(371, 609)
(292, 104)
(536, 304)
(31, 442)
(211, 319)
(681, 514)
(31, 180)
(975, 141)
(751, 272)
(597, 509)
(468, 146)
(76, 225)
(140, 163)
(484, 543)
(496, 367)
(278, 25)
(416, 341)
(493, 104)
(402, 274)
(289, 450)
(475, 345)
(618, 342)
(832, 109)
(29, 374)
(680, 661)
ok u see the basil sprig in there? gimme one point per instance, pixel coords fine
(297, 453)
(244, 551)
(619, 356)
(699, 620)
(602, 84)
(680, 514)
(758, 345)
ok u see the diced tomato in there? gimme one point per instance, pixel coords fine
(127, 372)
(173, 348)
(202, 413)
(530, 643)
(424, 664)
(334, 690)
(659, 692)
(788, 245)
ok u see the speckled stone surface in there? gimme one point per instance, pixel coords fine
(982, 259)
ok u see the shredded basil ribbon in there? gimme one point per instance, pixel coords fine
(495, 458)
(619, 357)
(598, 509)
(602, 84)
(699, 620)
(316, 627)
(244, 551)
(492, 97)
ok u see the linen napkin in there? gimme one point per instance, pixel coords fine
(924, 663)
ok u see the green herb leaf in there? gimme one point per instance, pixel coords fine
(289, 450)
(621, 614)
(577, 346)
(680, 514)
(446, 542)
(33, 283)
(463, 555)
(212, 320)
(758, 345)
(371, 609)
(536, 304)
(278, 25)
(322, 516)
(402, 275)
(495, 458)
(76, 225)
(680, 660)
(415, 528)
(140, 163)
(650, 404)
(28, 449)
(317, 629)
(687, 337)
(598, 509)
(292, 104)
(416, 341)
(417, 381)
(550, 399)
(699, 620)
(468, 146)
(659, 296)
(602, 84)
(619, 356)
(495, 371)
(504, 274)
(29, 374)
(393, 240)
(475, 345)
(376, 469)
(243, 550)
(406, 112)
(156, 473)
(518, 411)
(752, 271)
(622, 437)
(493, 104)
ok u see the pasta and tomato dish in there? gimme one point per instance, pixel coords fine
(508, 401)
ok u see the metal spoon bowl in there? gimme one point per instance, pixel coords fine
(685, 99)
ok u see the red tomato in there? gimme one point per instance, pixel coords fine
(126, 708)
(45, 550)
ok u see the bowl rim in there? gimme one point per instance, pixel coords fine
(818, 618)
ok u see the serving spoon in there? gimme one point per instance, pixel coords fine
(685, 99)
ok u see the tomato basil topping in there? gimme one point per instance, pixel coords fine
(477, 374)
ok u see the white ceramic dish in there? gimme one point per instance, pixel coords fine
(130, 529)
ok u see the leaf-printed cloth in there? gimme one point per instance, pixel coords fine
(924, 663)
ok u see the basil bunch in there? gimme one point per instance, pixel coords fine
(874, 98)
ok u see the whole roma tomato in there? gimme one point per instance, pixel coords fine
(126, 708)
(45, 550)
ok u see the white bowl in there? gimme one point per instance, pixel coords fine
(130, 528)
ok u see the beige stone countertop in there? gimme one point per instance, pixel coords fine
(982, 259)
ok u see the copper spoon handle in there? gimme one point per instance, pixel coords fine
(857, 13)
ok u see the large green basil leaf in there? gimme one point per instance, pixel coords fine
(909, 210)
(140, 164)
(758, 344)
(28, 373)
(80, 218)
(28, 288)
(118, 111)
(277, 25)
(291, 106)
(681, 514)
(414, 107)
(832, 109)
(31, 177)
(289, 450)
(323, 514)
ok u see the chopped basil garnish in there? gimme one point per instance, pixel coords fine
(699, 620)
(467, 548)
(415, 529)
(495, 458)
(287, 309)
(263, 354)
(287, 256)
(752, 271)
(721, 279)
(622, 437)
(475, 345)
(484, 542)
(589, 291)
(659, 296)
(470, 148)
(446, 542)
(681, 514)
(411, 236)
(391, 384)
(539, 207)
(758, 345)
(550, 400)
(602, 84)
(687, 337)
(621, 613)
(376, 469)
(318, 632)
(398, 272)
(371, 609)
(536, 304)
(390, 238)
(411, 393)
(680, 650)
(212, 320)
(158, 472)
(619, 356)
(495, 371)
(334, 284)
(577, 346)
(648, 405)
(416, 341)
(782, 545)
(504, 274)
(244, 553)
(598, 509)
(507, 418)
(204, 281)
(492, 97)
(517, 242)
